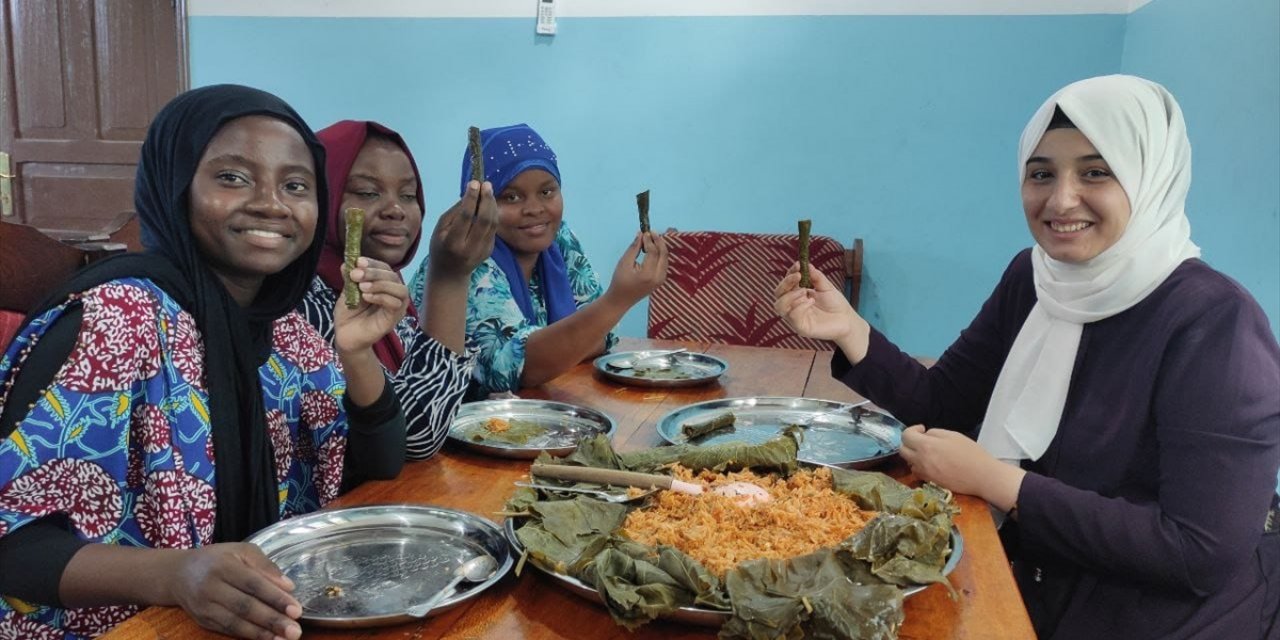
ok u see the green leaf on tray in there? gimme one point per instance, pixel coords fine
(811, 597)
(776, 454)
(566, 533)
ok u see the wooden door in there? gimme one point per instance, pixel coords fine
(82, 80)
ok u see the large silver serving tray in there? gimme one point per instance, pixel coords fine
(566, 425)
(366, 566)
(698, 615)
(676, 370)
(835, 434)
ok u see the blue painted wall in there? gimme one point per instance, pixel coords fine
(899, 130)
(1222, 61)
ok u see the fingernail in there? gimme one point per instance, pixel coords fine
(365, 286)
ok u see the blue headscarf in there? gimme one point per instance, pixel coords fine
(508, 152)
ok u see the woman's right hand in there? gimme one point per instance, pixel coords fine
(234, 589)
(463, 236)
(633, 281)
(821, 312)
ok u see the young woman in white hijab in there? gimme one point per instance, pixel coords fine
(1125, 396)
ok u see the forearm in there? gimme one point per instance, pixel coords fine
(559, 347)
(444, 309)
(430, 385)
(365, 376)
(93, 577)
(854, 343)
(375, 440)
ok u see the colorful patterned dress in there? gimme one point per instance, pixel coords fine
(121, 444)
(495, 325)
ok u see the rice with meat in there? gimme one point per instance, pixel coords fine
(804, 514)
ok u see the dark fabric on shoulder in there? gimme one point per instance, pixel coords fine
(33, 559)
(41, 365)
(375, 440)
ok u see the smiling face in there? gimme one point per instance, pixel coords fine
(1075, 207)
(382, 182)
(529, 211)
(253, 202)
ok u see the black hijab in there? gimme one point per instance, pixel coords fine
(237, 341)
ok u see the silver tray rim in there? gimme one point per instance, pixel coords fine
(698, 615)
(275, 538)
(601, 365)
(783, 402)
(526, 453)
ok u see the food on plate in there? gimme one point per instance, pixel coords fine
(832, 551)
(698, 428)
(804, 514)
(507, 430)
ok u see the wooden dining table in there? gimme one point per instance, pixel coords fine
(985, 604)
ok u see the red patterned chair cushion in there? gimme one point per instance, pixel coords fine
(10, 323)
(719, 287)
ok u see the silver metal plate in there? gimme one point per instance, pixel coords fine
(676, 370)
(836, 434)
(366, 566)
(698, 615)
(566, 424)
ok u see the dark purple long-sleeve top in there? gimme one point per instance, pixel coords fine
(1145, 516)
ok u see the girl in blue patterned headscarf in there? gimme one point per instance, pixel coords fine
(536, 307)
(508, 152)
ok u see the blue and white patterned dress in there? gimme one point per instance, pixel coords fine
(498, 330)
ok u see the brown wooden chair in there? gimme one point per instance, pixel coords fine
(32, 264)
(719, 286)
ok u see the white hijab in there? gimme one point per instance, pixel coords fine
(1138, 129)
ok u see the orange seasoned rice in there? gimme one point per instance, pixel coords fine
(803, 515)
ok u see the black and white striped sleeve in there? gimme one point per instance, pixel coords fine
(430, 383)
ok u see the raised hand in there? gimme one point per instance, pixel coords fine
(463, 236)
(234, 589)
(632, 280)
(821, 312)
(384, 298)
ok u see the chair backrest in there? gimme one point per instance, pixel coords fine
(720, 285)
(32, 264)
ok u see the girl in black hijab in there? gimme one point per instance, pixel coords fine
(174, 399)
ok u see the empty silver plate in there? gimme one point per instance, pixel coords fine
(366, 566)
(835, 434)
(565, 424)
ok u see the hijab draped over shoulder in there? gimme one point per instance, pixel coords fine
(1137, 127)
(237, 341)
(507, 152)
(343, 142)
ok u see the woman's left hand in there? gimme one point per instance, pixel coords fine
(383, 300)
(953, 461)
